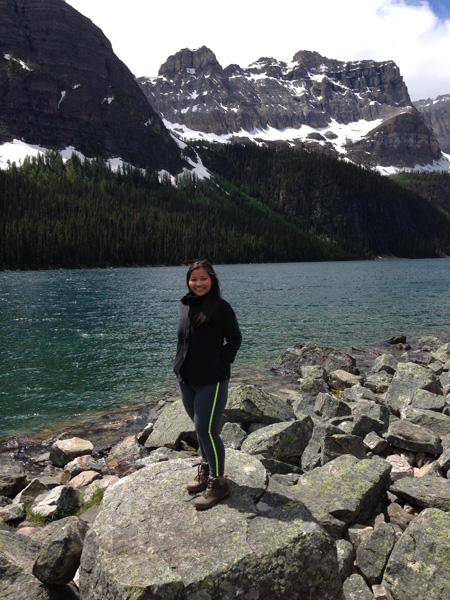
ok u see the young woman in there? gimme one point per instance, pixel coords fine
(208, 339)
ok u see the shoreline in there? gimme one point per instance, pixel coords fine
(105, 428)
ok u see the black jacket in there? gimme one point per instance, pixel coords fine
(202, 357)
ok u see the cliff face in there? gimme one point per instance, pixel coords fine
(62, 85)
(437, 116)
(313, 102)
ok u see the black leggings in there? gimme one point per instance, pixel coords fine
(205, 405)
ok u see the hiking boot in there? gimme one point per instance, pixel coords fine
(216, 489)
(198, 484)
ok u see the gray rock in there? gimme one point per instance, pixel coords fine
(61, 498)
(327, 406)
(403, 434)
(424, 492)
(173, 424)
(63, 451)
(310, 387)
(281, 441)
(233, 435)
(59, 558)
(398, 516)
(368, 416)
(86, 463)
(17, 555)
(172, 551)
(434, 421)
(344, 491)
(340, 379)
(429, 342)
(304, 405)
(375, 443)
(337, 445)
(32, 491)
(355, 588)
(385, 362)
(123, 456)
(12, 512)
(357, 393)
(373, 552)
(444, 461)
(409, 378)
(346, 557)
(312, 455)
(427, 400)
(309, 353)
(419, 566)
(250, 404)
(378, 383)
(13, 477)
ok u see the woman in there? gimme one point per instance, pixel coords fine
(208, 339)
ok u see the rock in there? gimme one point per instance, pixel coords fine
(381, 592)
(12, 512)
(419, 566)
(327, 406)
(61, 498)
(397, 339)
(423, 399)
(281, 441)
(309, 353)
(281, 552)
(336, 445)
(385, 362)
(123, 456)
(357, 533)
(340, 379)
(400, 467)
(311, 387)
(357, 393)
(355, 588)
(409, 378)
(426, 492)
(375, 443)
(173, 424)
(312, 455)
(64, 451)
(250, 404)
(233, 435)
(32, 491)
(86, 463)
(403, 434)
(398, 516)
(432, 468)
(142, 436)
(444, 461)
(13, 477)
(84, 479)
(59, 558)
(369, 417)
(345, 556)
(373, 552)
(17, 555)
(343, 491)
(429, 419)
(378, 383)
(429, 342)
(99, 484)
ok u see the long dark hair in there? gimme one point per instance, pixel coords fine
(211, 301)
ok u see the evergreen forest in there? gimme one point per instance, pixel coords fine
(260, 205)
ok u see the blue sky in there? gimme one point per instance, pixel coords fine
(413, 33)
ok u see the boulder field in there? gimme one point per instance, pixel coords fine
(340, 490)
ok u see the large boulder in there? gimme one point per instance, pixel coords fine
(344, 491)
(13, 477)
(17, 556)
(408, 379)
(419, 566)
(430, 419)
(64, 451)
(424, 492)
(172, 426)
(406, 435)
(281, 441)
(249, 404)
(149, 541)
(309, 353)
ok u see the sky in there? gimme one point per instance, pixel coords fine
(413, 33)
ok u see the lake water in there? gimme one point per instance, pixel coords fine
(77, 341)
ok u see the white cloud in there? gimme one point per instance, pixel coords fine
(143, 35)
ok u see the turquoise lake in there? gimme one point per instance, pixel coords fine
(78, 341)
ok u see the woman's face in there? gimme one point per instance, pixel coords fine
(200, 282)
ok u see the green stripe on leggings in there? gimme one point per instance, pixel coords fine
(209, 429)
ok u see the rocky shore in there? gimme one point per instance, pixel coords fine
(339, 468)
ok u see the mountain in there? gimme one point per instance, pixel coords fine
(61, 85)
(436, 113)
(360, 111)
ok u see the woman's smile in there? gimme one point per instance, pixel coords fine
(200, 282)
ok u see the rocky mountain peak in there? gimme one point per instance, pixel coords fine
(314, 102)
(188, 62)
